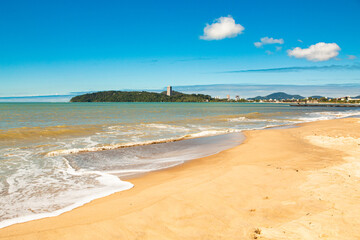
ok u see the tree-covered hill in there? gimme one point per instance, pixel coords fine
(122, 96)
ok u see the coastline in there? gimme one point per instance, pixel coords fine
(187, 149)
(261, 184)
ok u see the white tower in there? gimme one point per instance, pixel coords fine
(169, 91)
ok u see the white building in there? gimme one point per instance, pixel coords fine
(169, 91)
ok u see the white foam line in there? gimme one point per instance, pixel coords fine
(23, 219)
(107, 147)
(116, 146)
(104, 178)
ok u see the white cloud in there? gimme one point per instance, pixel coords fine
(278, 48)
(267, 40)
(318, 52)
(269, 52)
(223, 27)
(351, 57)
(299, 40)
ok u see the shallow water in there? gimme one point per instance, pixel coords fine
(146, 158)
(52, 156)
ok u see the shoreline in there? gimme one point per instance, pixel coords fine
(125, 180)
(183, 173)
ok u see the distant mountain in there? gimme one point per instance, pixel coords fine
(42, 98)
(278, 96)
(45, 98)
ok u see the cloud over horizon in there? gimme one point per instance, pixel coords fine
(317, 53)
(351, 57)
(267, 40)
(223, 27)
(300, 68)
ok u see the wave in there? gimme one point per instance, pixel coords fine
(109, 147)
(317, 116)
(134, 144)
(211, 133)
(259, 115)
(112, 185)
(245, 119)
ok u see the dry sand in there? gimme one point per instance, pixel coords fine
(298, 183)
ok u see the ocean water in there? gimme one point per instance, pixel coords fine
(57, 156)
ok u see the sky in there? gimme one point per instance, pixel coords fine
(59, 47)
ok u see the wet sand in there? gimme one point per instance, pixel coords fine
(296, 183)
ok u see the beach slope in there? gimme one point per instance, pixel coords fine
(296, 183)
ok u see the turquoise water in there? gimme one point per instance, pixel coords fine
(57, 156)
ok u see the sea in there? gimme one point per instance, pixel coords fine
(57, 156)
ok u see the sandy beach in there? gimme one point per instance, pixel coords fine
(296, 183)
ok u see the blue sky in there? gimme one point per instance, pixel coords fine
(49, 47)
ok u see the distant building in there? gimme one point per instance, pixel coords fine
(237, 98)
(169, 91)
(228, 97)
(348, 98)
(312, 101)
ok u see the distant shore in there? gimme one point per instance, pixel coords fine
(324, 105)
(295, 183)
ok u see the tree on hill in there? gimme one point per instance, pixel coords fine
(122, 96)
